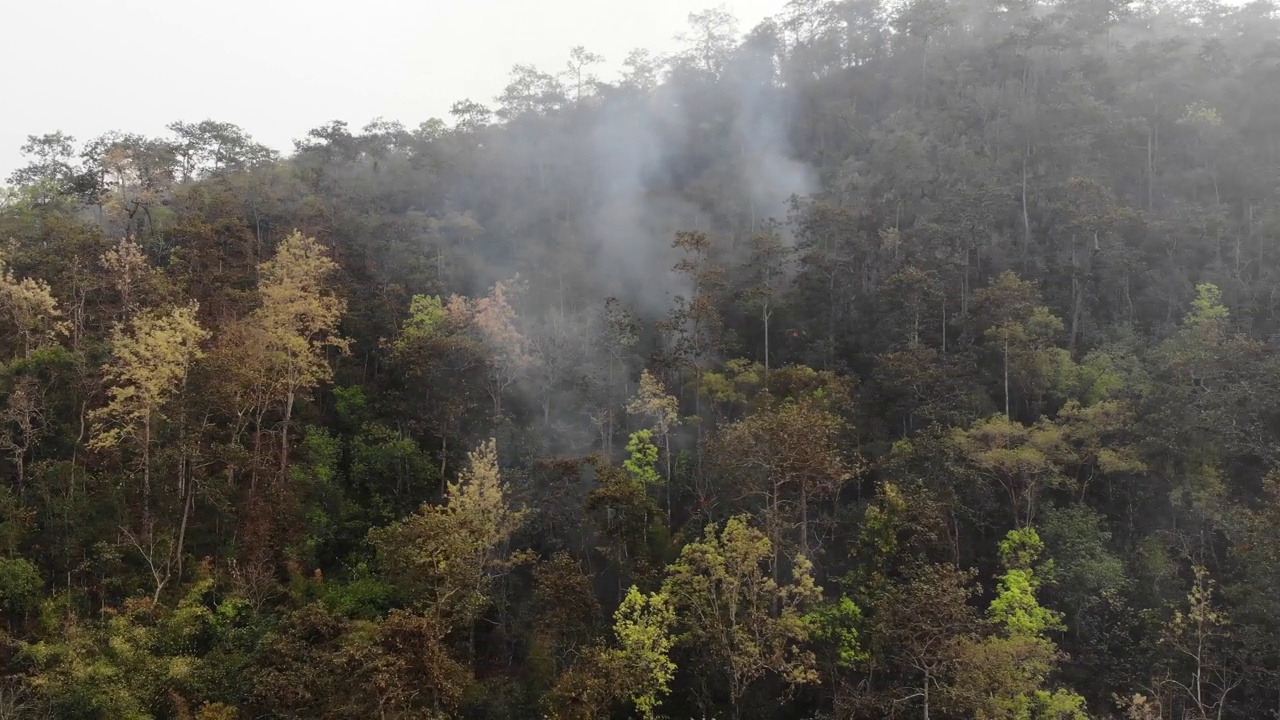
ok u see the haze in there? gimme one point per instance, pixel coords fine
(280, 67)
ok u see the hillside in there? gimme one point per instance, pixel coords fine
(911, 360)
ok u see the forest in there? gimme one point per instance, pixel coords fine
(884, 360)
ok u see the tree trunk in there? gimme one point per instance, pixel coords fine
(1006, 376)
(944, 320)
(182, 529)
(1151, 165)
(284, 436)
(146, 473)
(1077, 299)
(804, 520)
(1026, 218)
(927, 678)
(766, 346)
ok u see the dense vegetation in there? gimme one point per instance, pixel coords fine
(909, 361)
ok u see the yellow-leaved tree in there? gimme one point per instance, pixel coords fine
(30, 316)
(129, 274)
(31, 310)
(445, 557)
(733, 618)
(295, 326)
(151, 357)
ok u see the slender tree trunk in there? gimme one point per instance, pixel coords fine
(1026, 217)
(927, 679)
(146, 474)
(766, 346)
(804, 520)
(1007, 416)
(284, 436)
(444, 454)
(1151, 164)
(944, 321)
(182, 529)
(1077, 299)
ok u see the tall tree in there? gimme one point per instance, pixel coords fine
(738, 622)
(152, 357)
(295, 326)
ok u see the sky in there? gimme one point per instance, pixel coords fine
(278, 68)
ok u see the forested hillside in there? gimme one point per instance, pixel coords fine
(880, 361)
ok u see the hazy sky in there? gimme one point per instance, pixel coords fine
(280, 67)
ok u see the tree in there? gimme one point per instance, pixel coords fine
(529, 92)
(31, 309)
(510, 360)
(642, 460)
(210, 146)
(437, 348)
(695, 325)
(50, 172)
(577, 70)
(1202, 672)
(295, 326)
(1004, 675)
(641, 70)
(152, 357)
(662, 413)
(130, 274)
(770, 272)
(710, 39)
(920, 626)
(1024, 332)
(734, 617)
(643, 625)
(790, 455)
(567, 610)
(624, 517)
(444, 558)
(1021, 459)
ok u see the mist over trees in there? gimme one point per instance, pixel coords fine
(881, 360)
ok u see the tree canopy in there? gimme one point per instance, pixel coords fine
(907, 359)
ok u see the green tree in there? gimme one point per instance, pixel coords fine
(1006, 674)
(643, 626)
(734, 618)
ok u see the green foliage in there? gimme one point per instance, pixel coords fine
(643, 626)
(1207, 308)
(16, 521)
(351, 403)
(838, 623)
(443, 559)
(736, 619)
(1085, 570)
(1003, 676)
(1021, 548)
(318, 480)
(427, 317)
(1015, 607)
(361, 595)
(642, 460)
(127, 666)
(20, 586)
(391, 467)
